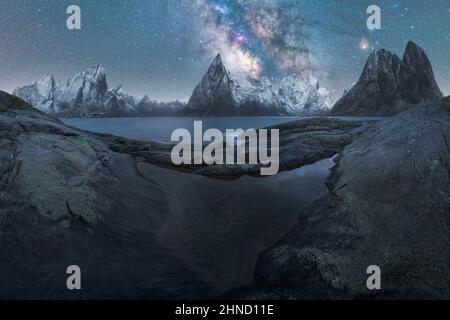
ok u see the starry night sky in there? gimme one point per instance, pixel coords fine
(162, 47)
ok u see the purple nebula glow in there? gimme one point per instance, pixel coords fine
(240, 38)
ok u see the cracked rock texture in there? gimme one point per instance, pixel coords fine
(389, 206)
(66, 198)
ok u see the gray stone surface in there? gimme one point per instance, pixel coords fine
(389, 206)
(136, 230)
(66, 198)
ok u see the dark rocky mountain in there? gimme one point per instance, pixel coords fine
(222, 93)
(389, 85)
(215, 89)
(149, 107)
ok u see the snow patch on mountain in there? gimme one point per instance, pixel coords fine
(86, 93)
(221, 93)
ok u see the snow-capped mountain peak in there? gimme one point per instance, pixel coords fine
(302, 94)
(223, 93)
(41, 92)
(82, 93)
(45, 86)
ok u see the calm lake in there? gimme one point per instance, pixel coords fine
(160, 129)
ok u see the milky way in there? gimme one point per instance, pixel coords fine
(256, 36)
(162, 47)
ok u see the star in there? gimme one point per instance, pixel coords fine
(364, 44)
(145, 45)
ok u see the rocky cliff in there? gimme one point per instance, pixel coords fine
(67, 198)
(389, 85)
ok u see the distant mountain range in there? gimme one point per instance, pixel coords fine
(88, 95)
(221, 93)
(389, 85)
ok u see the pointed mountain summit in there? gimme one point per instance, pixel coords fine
(214, 94)
(389, 85)
(40, 92)
(46, 84)
(221, 93)
(145, 105)
(217, 69)
(86, 88)
(417, 75)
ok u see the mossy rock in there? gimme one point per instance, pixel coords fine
(11, 102)
(18, 103)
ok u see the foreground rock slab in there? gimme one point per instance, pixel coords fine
(136, 230)
(66, 198)
(389, 206)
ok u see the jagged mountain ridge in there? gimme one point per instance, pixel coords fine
(149, 107)
(87, 94)
(221, 93)
(81, 94)
(389, 85)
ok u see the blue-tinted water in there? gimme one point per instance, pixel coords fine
(160, 129)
